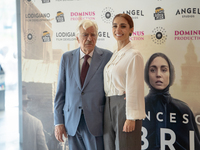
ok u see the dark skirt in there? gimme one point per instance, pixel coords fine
(114, 119)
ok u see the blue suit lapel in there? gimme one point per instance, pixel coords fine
(96, 61)
(75, 67)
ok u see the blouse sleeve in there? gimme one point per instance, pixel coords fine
(135, 106)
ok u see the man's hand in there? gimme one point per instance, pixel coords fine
(59, 131)
(129, 126)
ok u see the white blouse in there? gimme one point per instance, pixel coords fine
(125, 73)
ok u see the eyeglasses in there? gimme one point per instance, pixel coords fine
(86, 35)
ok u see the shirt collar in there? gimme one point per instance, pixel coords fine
(83, 54)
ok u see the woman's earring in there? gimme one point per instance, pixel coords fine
(130, 34)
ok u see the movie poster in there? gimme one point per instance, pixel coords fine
(170, 27)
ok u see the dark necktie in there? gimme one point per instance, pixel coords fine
(84, 69)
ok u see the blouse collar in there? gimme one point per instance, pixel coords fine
(124, 49)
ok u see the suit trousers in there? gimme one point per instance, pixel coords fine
(83, 139)
(114, 119)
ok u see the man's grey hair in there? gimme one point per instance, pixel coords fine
(86, 24)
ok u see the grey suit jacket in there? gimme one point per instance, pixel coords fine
(71, 98)
(33, 135)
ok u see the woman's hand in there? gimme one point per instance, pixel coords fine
(125, 94)
(129, 126)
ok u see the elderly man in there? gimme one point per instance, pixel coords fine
(80, 99)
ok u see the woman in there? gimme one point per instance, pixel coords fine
(123, 73)
(164, 113)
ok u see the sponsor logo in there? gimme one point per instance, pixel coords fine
(63, 0)
(29, 36)
(159, 13)
(45, 1)
(135, 14)
(65, 36)
(159, 35)
(29, 2)
(188, 12)
(71, 36)
(37, 17)
(107, 14)
(46, 36)
(187, 35)
(103, 35)
(137, 35)
(82, 15)
(60, 17)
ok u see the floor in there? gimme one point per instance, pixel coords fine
(9, 122)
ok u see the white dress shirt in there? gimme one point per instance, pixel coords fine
(125, 73)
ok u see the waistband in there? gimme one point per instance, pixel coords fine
(116, 97)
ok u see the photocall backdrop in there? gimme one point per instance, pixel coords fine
(48, 30)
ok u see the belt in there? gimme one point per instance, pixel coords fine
(81, 109)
